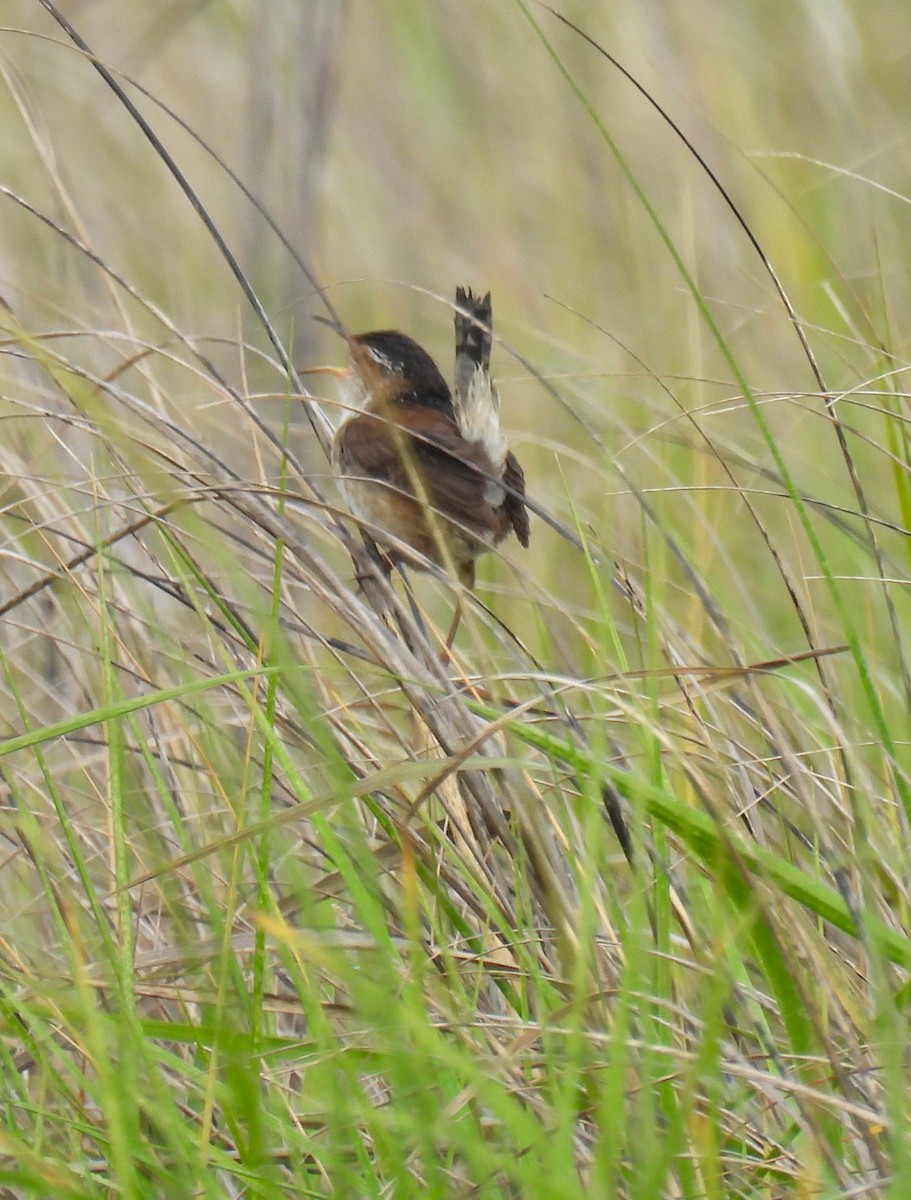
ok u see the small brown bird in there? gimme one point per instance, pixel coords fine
(425, 465)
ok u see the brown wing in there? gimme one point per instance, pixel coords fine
(453, 471)
(514, 479)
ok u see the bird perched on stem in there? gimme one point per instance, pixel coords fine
(427, 469)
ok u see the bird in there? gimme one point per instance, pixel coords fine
(427, 468)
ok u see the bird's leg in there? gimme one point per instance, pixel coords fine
(367, 565)
(412, 604)
(445, 655)
(365, 571)
(467, 579)
(371, 567)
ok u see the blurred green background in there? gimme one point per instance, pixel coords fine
(405, 147)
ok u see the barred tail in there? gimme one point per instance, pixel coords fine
(472, 337)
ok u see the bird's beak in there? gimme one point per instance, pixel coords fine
(338, 372)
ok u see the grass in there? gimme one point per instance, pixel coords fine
(615, 904)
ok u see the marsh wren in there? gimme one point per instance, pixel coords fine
(427, 466)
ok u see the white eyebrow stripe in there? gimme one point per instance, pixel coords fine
(383, 360)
